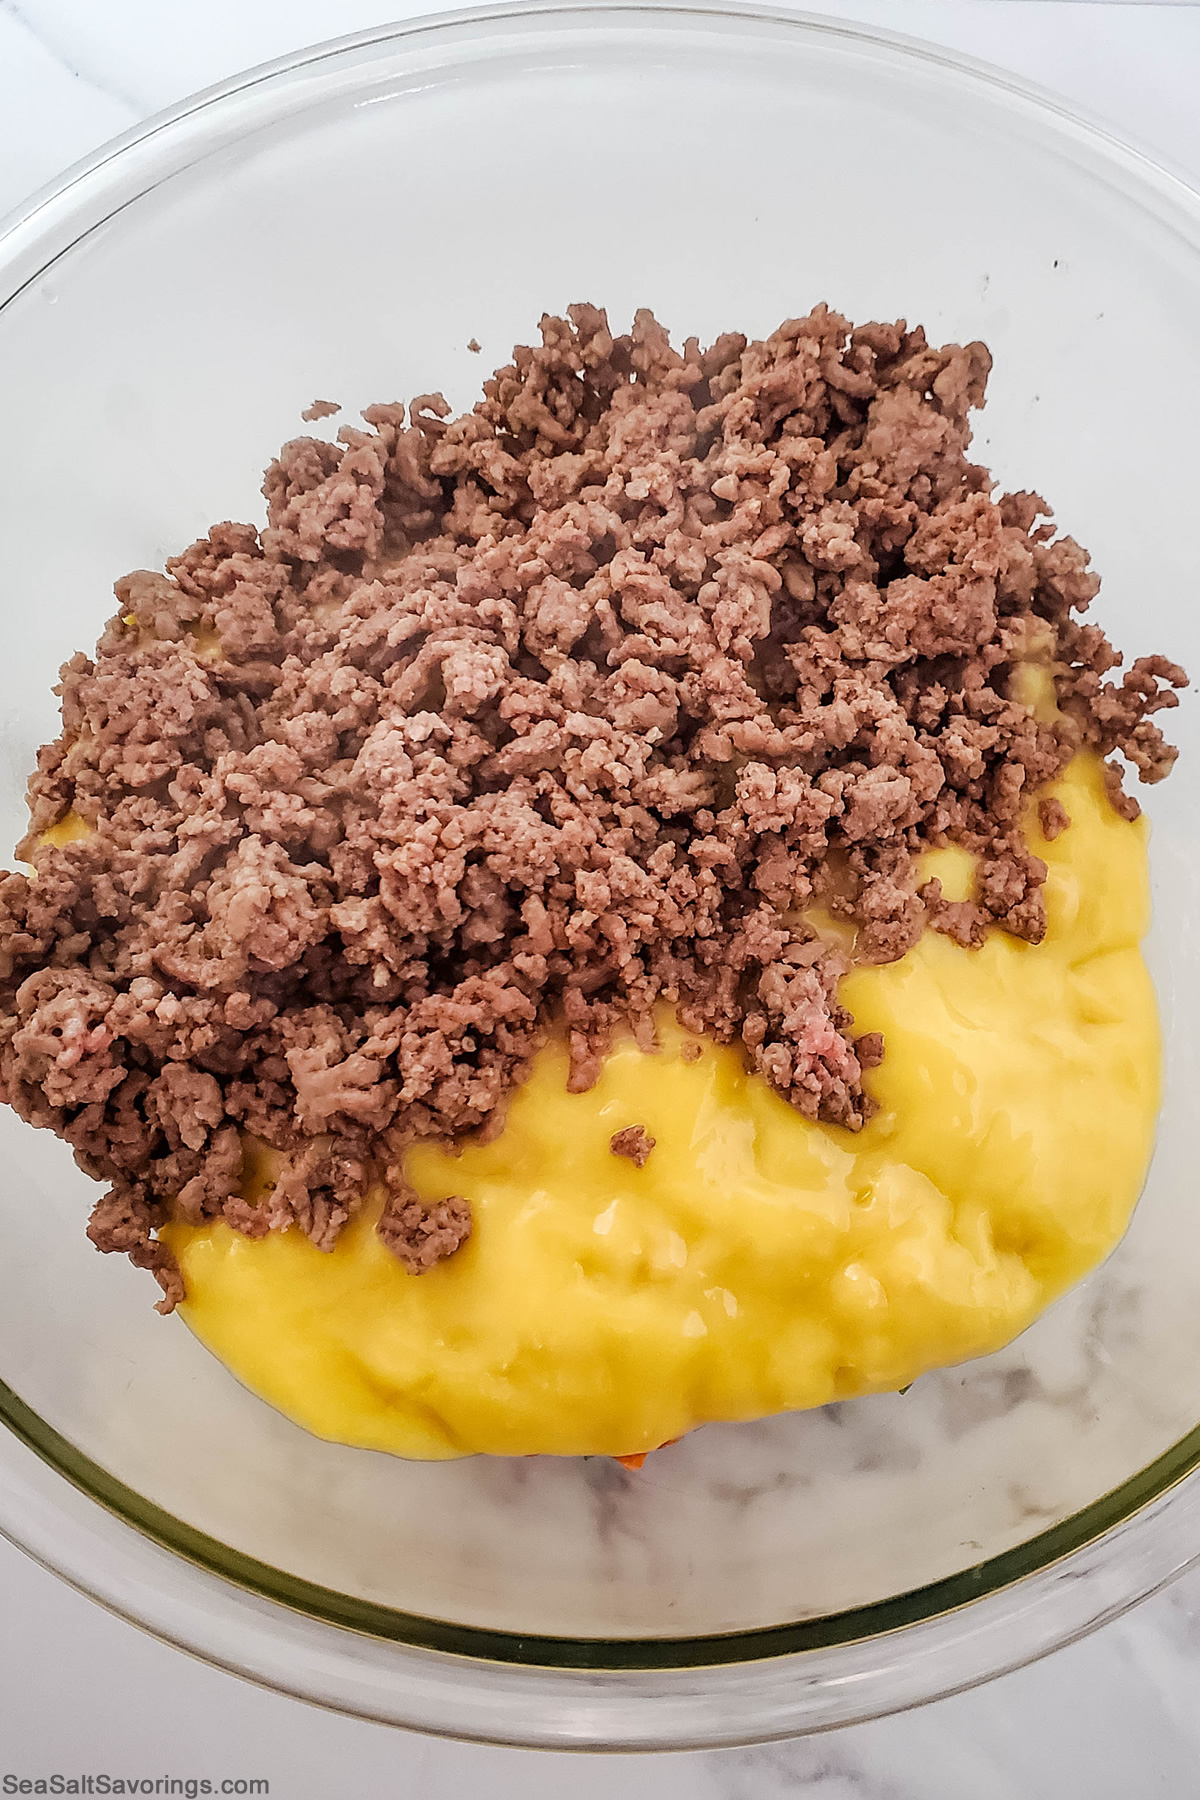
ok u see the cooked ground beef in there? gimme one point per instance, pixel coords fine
(633, 1142)
(422, 1235)
(528, 720)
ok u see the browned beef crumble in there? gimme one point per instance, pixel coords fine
(320, 409)
(1052, 817)
(422, 1235)
(529, 718)
(633, 1142)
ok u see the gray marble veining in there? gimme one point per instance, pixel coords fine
(1110, 1718)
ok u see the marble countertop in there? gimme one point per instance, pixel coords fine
(1112, 1717)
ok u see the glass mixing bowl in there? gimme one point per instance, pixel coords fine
(342, 225)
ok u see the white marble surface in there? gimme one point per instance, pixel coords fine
(79, 1691)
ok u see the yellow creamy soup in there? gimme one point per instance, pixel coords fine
(757, 1262)
(70, 829)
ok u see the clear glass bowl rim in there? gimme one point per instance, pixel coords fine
(584, 1693)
